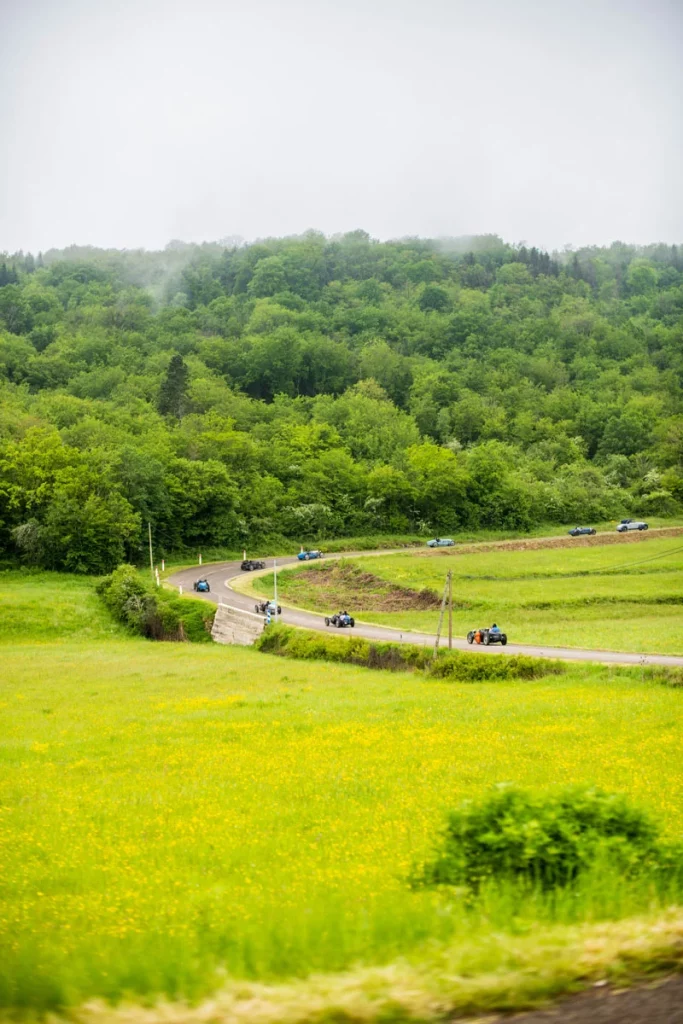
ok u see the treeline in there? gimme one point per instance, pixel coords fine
(305, 388)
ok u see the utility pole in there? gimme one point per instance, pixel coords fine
(450, 610)
(275, 587)
(151, 559)
(443, 607)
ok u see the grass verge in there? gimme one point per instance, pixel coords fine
(506, 973)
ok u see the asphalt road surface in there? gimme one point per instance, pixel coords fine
(661, 1003)
(221, 575)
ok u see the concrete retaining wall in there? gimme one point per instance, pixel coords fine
(236, 626)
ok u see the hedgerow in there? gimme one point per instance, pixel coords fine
(152, 612)
(449, 665)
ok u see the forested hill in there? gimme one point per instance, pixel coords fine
(309, 388)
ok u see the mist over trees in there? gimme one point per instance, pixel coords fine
(305, 388)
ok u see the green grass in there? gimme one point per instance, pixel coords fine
(621, 597)
(45, 607)
(170, 812)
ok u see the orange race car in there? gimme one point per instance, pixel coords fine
(487, 636)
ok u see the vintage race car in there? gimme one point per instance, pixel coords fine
(441, 542)
(250, 563)
(341, 621)
(486, 637)
(305, 556)
(267, 607)
(201, 586)
(580, 531)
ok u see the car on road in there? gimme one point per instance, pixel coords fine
(267, 608)
(486, 637)
(201, 586)
(305, 556)
(581, 531)
(441, 542)
(341, 621)
(631, 524)
(249, 564)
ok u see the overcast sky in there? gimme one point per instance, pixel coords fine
(130, 122)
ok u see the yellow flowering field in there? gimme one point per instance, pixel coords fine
(171, 813)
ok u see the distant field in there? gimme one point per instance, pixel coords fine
(624, 596)
(172, 815)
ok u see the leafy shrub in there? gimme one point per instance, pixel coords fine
(473, 668)
(157, 614)
(460, 667)
(659, 503)
(547, 839)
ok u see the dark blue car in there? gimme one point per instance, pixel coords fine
(579, 531)
(201, 586)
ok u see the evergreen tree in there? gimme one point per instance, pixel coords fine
(173, 392)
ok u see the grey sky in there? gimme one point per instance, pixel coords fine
(130, 122)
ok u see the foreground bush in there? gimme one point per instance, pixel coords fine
(152, 612)
(549, 840)
(354, 650)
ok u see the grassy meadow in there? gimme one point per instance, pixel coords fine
(624, 596)
(173, 816)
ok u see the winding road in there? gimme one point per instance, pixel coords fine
(221, 576)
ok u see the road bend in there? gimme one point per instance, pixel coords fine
(222, 575)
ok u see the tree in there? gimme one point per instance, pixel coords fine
(172, 399)
(14, 310)
(433, 299)
(89, 533)
(269, 278)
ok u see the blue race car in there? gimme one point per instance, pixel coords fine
(341, 621)
(305, 556)
(201, 586)
(441, 542)
(580, 531)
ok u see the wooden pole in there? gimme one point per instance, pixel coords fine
(443, 608)
(450, 611)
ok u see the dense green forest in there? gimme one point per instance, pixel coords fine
(307, 388)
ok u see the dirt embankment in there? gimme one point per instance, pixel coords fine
(537, 543)
(342, 583)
